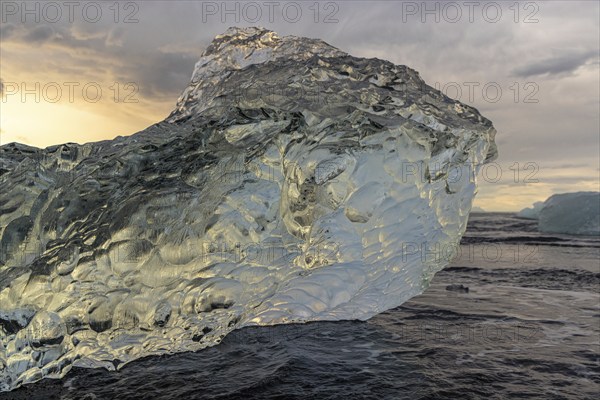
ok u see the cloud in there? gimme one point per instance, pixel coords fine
(39, 34)
(561, 64)
(6, 30)
(565, 166)
(84, 54)
(115, 37)
(161, 74)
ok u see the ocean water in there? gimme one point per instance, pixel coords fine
(516, 314)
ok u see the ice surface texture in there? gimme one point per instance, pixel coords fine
(293, 182)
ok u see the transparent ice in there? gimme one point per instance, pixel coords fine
(292, 183)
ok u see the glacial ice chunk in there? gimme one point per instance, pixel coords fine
(293, 182)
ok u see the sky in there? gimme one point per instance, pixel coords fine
(93, 70)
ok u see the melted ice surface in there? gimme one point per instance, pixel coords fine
(292, 183)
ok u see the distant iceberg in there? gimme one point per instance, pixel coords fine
(571, 213)
(531, 212)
